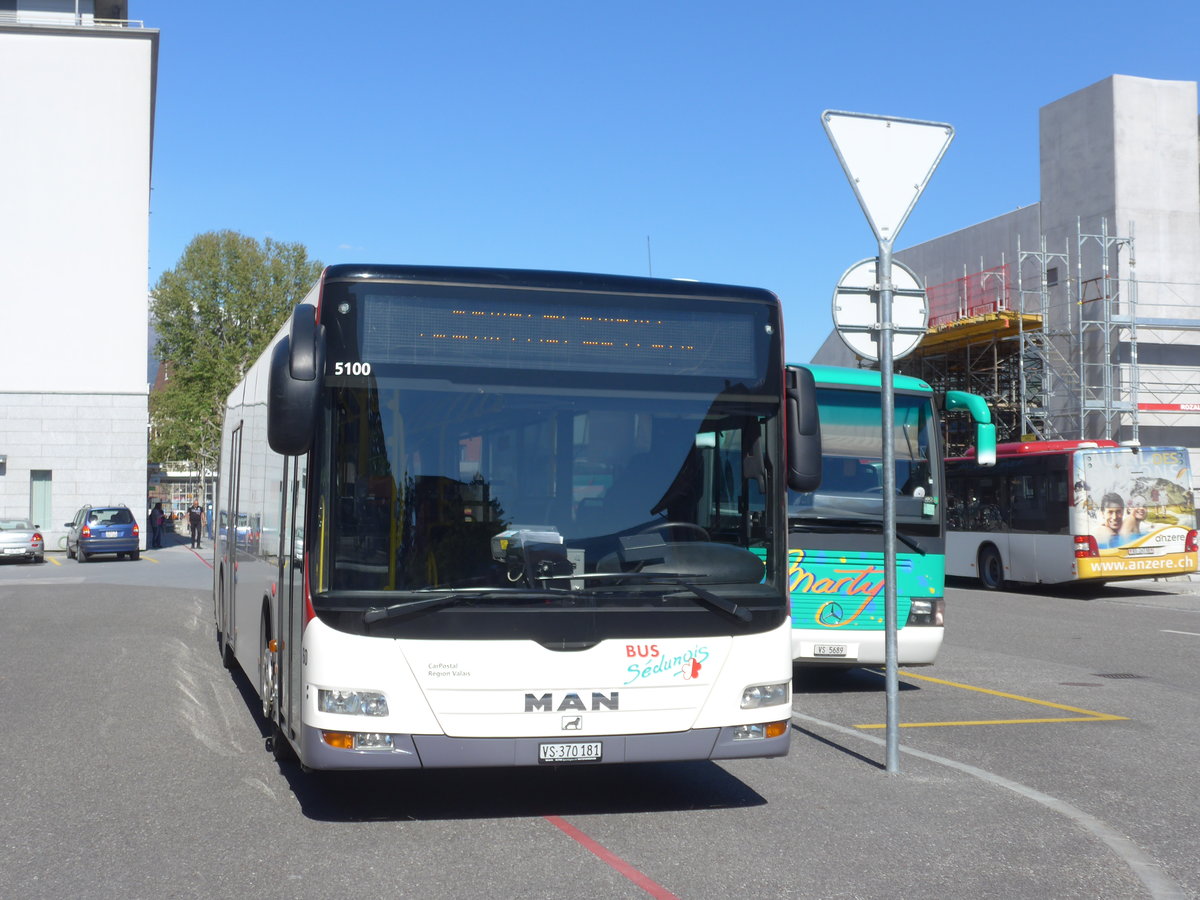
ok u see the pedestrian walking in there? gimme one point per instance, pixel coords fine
(157, 517)
(195, 515)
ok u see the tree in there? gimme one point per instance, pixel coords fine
(215, 312)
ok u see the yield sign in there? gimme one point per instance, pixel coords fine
(888, 161)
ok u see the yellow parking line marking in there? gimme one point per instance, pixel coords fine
(1085, 715)
(968, 687)
(1103, 717)
(149, 559)
(51, 559)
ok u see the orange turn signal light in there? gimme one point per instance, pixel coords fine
(339, 739)
(776, 729)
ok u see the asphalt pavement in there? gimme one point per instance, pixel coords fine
(944, 826)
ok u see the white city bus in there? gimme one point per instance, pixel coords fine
(515, 518)
(1055, 512)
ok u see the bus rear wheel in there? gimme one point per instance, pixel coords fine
(223, 645)
(991, 568)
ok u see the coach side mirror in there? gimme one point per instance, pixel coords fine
(295, 382)
(803, 431)
(985, 429)
(985, 443)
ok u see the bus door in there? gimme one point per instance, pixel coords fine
(1037, 506)
(226, 534)
(291, 596)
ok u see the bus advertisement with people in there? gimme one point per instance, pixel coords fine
(1053, 512)
(510, 518)
(836, 532)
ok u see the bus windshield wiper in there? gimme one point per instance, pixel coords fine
(829, 525)
(683, 579)
(375, 614)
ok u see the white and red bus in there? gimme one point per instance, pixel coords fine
(510, 518)
(1053, 512)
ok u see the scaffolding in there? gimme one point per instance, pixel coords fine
(1041, 345)
(973, 345)
(1046, 372)
(1052, 341)
(1108, 395)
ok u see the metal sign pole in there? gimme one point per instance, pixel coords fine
(889, 161)
(888, 411)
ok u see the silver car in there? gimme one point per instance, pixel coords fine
(21, 540)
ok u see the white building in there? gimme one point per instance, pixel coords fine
(77, 113)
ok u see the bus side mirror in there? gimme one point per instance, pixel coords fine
(803, 431)
(985, 430)
(985, 444)
(296, 379)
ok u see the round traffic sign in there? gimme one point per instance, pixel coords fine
(856, 310)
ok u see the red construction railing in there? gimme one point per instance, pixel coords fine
(972, 295)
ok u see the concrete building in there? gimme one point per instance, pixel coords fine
(77, 113)
(1078, 315)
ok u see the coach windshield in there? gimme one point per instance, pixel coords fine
(852, 469)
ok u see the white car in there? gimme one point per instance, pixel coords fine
(20, 539)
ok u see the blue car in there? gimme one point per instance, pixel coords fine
(103, 529)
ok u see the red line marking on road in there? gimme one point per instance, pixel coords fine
(201, 558)
(653, 888)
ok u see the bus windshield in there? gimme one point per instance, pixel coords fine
(480, 470)
(852, 469)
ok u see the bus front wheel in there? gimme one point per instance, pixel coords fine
(991, 568)
(267, 671)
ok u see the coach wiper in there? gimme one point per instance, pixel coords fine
(798, 524)
(723, 604)
(396, 610)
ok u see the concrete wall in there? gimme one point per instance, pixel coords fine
(76, 113)
(74, 224)
(974, 249)
(94, 446)
(1158, 178)
(1078, 163)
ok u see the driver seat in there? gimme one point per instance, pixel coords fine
(630, 500)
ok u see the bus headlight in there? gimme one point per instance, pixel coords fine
(766, 695)
(352, 703)
(927, 612)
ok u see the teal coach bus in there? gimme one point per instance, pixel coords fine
(836, 532)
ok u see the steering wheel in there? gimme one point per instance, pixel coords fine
(686, 526)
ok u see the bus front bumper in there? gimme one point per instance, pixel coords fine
(435, 751)
(916, 645)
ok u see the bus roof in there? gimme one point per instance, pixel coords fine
(537, 278)
(851, 377)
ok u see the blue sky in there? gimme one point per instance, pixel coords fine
(563, 134)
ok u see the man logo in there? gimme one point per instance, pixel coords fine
(571, 702)
(572, 723)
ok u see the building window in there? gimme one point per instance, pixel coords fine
(1052, 276)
